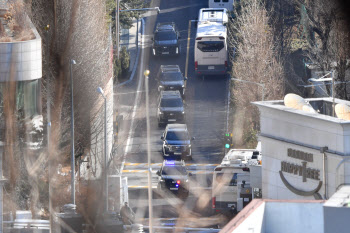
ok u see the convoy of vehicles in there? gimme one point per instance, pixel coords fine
(231, 180)
(170, 108)
(210, 49)
(166, 40)
(177, 142)
(174, 177)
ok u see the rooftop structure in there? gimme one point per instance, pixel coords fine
(287, 216)
(303, 151)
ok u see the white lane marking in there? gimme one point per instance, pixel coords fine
(193, 172)
(137, 100)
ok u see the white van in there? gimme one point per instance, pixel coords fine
(231, 180)
(228, 4)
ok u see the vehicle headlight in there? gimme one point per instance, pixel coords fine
(177, 49)
(154, 51)
(189, 146)
(160, 112)
(186, 180)
(183, 86)
(183, 112)
(160, 87)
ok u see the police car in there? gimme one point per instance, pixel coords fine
(174, 177)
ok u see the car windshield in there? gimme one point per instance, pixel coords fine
(210, 46)
(166, 35)
(171, 103)
(173, 76)
(174, 170)
(177, 135)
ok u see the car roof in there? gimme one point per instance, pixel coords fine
(169, 68)
(170, 94)
(174, 162)
(165, 26)
(176, 127)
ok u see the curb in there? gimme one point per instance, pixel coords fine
(137, 59)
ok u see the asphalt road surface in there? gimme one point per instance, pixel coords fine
(206, 116)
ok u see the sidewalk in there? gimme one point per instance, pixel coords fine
(128, 40)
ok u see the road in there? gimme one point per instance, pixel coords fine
(206, 109)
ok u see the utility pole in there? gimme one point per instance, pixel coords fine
(150, 205)
(72, 62)
(117, 27)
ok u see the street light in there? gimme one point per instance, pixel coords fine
(72, 161)
(323, 79)
(100, 90)
(150, 206)
(259, 84)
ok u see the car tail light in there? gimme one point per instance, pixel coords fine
(226, 64)
(196, 65)
(178, 182)
(213, 202)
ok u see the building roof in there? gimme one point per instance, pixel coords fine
(340, 199)
(323, 107)
(262, 215)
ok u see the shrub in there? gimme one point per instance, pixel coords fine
(121, 66)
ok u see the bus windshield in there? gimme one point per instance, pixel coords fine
(210, 46)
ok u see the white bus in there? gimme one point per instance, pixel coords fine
(231, 180)
(228, 4)
(210, 51)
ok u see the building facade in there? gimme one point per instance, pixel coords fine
(304, 155)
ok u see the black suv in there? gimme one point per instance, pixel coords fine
(177, 142)
(166, 40)
(170, 107)
(170, 78)
(173, 176)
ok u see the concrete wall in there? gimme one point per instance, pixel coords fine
(254, 223)
(337, 211)
(291, 217)
(21, 60)
(94, 168)
(283, 128)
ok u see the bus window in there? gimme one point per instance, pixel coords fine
(216, 0)
(232, 181)
(210, 46)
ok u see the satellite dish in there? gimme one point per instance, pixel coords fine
(308, 108)
(297, 102)
(342, 111)
(294, 101)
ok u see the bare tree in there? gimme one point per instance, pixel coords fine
(328, 38)
(256, 61)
